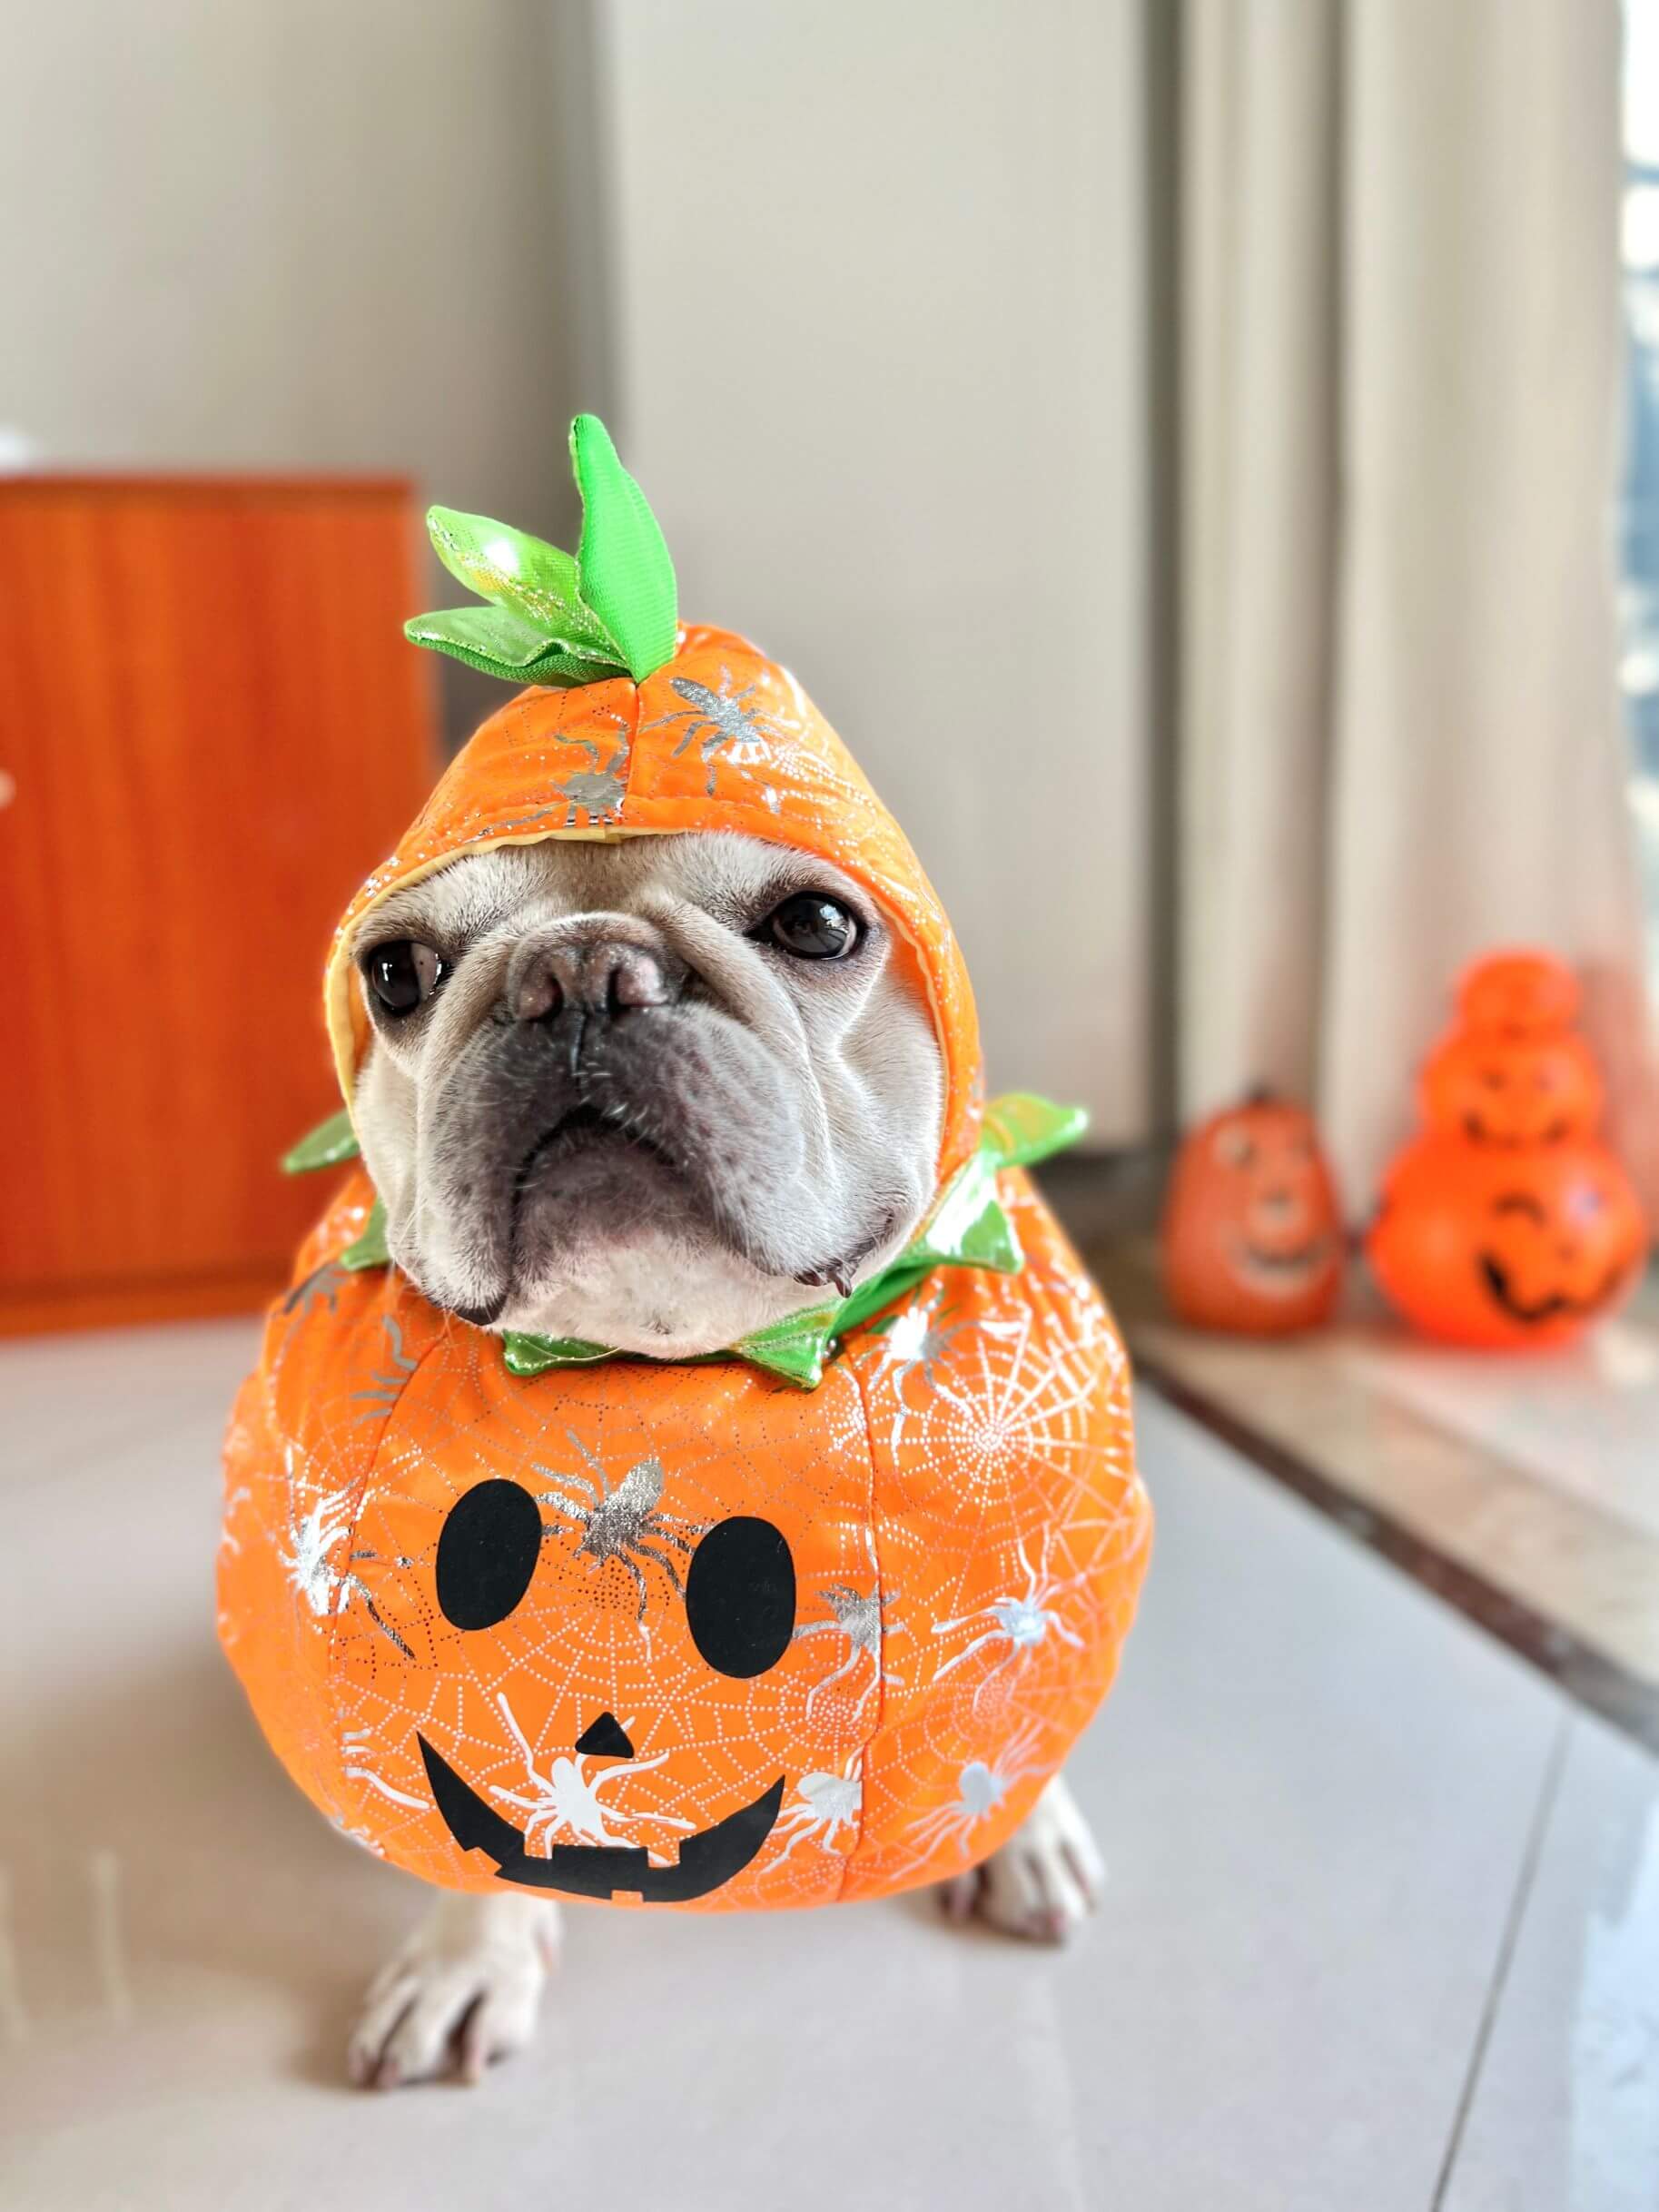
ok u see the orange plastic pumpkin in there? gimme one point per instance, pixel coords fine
(1530, 1086)
(1517, 991)
(683, 1634)
(1252, 1233)
(1524, 1246)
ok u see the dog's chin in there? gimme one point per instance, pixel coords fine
(614, 1244)
(672, 1293)
(590, 1179)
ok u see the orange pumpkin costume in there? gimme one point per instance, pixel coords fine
(684, 1633)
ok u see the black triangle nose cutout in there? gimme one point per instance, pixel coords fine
(605, 1738)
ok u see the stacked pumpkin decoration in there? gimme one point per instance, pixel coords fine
(1507, 1221)
(1252, 1233)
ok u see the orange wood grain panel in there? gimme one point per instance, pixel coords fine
(212, 729)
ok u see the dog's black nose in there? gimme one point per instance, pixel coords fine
(604, 975)
(605, 1738)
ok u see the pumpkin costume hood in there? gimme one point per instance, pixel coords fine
(813, 1619)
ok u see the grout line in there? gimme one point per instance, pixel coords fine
(1524, 1881)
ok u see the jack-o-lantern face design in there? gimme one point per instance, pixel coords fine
(679, 1634)
(739, 1595)
(1252, 1235)
(1481, 1247)
(1531, 1088)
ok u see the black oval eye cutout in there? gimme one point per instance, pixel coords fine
(740, 1597)
(487, 1554)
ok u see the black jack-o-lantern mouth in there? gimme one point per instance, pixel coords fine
(706, 1860)
(1554, 1307)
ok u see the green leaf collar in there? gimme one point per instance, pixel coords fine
(612, 610)
(966, 1228)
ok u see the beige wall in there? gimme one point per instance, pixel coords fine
(293, 234)
(878, 275)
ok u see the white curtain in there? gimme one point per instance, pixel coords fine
(1401, 736)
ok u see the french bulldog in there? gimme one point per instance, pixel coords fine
(641, 1093)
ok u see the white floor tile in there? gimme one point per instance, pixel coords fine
(1565, 2113)
(1313, 1785)
(64, 1399)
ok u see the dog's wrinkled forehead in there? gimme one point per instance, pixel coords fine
(730, 878)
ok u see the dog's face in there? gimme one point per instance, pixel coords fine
(642, 1093)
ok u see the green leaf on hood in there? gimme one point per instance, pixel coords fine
(626, 575)
(611, 611)
(522, 574)
(369, 1249)
(326, 1146)
(1020, 1128)
(505, 645)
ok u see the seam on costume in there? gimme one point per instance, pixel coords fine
(852, 1857)
(633, 753)
(357, 1511)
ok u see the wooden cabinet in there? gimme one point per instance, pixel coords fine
(210, 729)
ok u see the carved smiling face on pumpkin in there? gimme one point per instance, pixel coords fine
(1252, 1235)
(1523, 1087)
(1482, 1248)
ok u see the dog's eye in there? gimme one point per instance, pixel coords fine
(740, 1597)
(812, 927)
(403, 976)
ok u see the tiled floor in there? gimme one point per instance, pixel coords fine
(1383, 1929)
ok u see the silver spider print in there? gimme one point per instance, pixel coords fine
(566, 1797)
(320, 1288)
(354, 1744)
(915, 1341)
(980, 1789)
(596, 790)
(716, 724)
(624, 1522)
(392, 1380)
(861, 1617)
(1024, 1621)
(312, 1573)
(822, 1804)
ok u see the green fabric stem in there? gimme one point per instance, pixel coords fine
(500, 644)
(627, 577)
(369, 1249)
(521, 575)
(326, 1146)
(611, 611)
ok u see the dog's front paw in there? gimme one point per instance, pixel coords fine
(1044, 1881)
(464, 1991)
